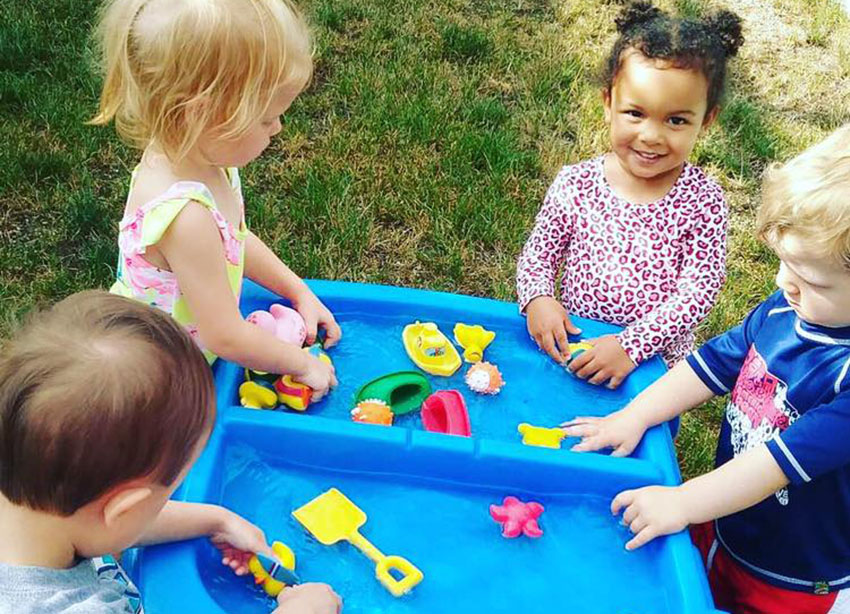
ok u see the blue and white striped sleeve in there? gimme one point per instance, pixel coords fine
(816, 442)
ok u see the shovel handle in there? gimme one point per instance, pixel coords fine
(410, 574)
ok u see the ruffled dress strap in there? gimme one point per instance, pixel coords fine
(139, 279)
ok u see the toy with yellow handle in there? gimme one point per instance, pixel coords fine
(332, 517)
(273, 575)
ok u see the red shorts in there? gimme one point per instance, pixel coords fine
(739, 592)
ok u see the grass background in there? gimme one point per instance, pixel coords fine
(421, 151)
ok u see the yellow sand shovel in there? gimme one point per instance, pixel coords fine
(332, 517)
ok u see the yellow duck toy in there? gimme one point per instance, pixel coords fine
(474, 340)
(272, 575)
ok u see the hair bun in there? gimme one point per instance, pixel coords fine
(636, 13)
(727, 26)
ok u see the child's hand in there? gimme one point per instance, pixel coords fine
(606, 361)
(651, 511)
(620, 431)
(315, 314)
(548, 324)
(319, 376)
(238, 540)
(309, 598)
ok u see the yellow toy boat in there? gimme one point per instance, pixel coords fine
(474, 340)
(429, 349)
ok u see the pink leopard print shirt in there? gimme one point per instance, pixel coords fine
(654, 268)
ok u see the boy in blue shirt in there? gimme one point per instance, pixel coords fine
(773, 518)
(105, 403)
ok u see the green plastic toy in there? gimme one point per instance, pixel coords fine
(403, 391)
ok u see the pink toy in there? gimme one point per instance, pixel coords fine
(517, 517)
(445, 412)
(283, 322)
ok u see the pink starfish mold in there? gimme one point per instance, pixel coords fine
(517, 517)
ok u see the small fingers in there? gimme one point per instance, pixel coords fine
(599, 377)
(637, 525)
(580, 361)
(581, 430)
(624, 449)
(311, 325)
(646, 535)
(571, 328)
(630, 514)
(615, 381)
(588, 444)
(548, 345)
(624, 499)
(589, 368)
(563, 343)
(333, 333)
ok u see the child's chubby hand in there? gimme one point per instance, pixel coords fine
(238, 541)
(316, 315)
(319, 376)
(548, 324)
(606, 361)
(651, 511)
(309, 598)
(620, 431)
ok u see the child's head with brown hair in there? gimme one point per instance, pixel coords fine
(661, 85)
(104, 404)
(805, 218)
(177, 70)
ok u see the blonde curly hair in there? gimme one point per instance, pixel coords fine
(174, 69)
(809, 197)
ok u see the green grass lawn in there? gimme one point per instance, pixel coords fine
(421, 151)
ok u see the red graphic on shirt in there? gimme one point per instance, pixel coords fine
(755, 394)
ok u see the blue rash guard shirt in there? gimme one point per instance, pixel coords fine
(790, 391)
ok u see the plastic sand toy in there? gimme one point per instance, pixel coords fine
(484, 378)
(254, 395)
(283, 322)
(273, 575)
(333, 517)
(372, 411)
(296, 395)
(429, 349)
(517, 517)
(445, 412)
(403, 391)
(540, 435)
(473, 339)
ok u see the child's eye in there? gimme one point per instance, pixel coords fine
(634, 113)
(678, 121)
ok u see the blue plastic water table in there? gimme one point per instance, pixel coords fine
(427, 494)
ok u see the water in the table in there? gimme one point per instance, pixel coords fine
(578, 565)
(537, 390)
